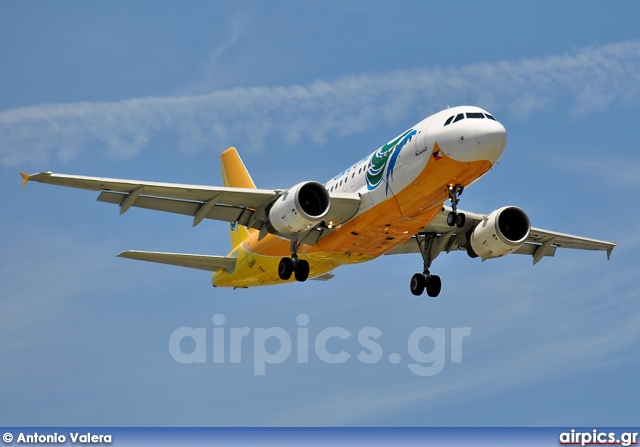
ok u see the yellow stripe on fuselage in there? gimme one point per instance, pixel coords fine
(365, 237)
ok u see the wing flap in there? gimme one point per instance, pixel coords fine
(225, 213)
(532, 250)
(201, 262)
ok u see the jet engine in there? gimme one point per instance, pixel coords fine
(299, 208)
(502, 232)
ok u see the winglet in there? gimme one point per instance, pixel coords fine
(25, 179)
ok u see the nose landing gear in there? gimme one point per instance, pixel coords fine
(293, 265)
(454, 218)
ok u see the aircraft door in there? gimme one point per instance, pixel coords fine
(421, 141)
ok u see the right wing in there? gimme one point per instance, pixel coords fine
(539, 243)
(247, 206)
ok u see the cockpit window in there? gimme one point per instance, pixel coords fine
(471, 115)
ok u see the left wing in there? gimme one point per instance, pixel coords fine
(247, 206)
(539, 243)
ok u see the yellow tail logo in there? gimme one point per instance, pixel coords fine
(235, 174)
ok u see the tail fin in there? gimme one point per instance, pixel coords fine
(235, 174)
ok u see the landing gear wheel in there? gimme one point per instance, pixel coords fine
(285, 268)
(417, 284)
(434, 285)
(425, 280)
(302, 270)
(452, 219)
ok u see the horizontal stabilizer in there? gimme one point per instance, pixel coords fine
(325, 277)
(201, 262)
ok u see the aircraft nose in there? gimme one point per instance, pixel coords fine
(489, 141)
(475, 136)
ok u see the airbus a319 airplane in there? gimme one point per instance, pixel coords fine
(390, 202)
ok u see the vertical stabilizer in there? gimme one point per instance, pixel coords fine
(235, 174)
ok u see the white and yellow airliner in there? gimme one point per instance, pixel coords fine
(390, 202)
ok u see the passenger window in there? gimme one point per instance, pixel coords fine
(459, 117)
(448, 121)
(476, 115)
(340, 182)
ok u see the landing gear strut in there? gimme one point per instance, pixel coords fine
(454, 218)
(425, 280)
(293, 265)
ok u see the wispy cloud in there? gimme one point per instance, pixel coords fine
(581, 82)
(212, 73)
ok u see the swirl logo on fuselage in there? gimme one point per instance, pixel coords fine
(386, 155)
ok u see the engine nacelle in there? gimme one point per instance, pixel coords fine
(501, 233)
(300, 208)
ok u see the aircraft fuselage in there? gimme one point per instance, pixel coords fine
(402, 186)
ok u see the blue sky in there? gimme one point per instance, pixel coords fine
(156, 90)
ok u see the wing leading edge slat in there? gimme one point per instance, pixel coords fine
(226, 213)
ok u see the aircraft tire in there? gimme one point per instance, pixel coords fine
(451, 219)
(302, 270)
(434, 285)
(285, 268)
(417, 284)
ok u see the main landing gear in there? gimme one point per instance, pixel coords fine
(454, 218)
(293, 265)
(425, 280)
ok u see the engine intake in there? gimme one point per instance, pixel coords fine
(300, 208)
(501, 233)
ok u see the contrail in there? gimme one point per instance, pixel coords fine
(577, 83)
